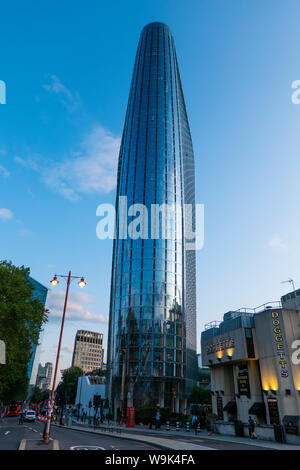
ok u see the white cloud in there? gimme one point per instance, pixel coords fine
(4, 172)
(75, 309)
(91, 170)
(277, 243)
(68, 349)
(6, 214)
(70, 101)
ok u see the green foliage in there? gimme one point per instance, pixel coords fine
(37, 395)
(21, 318)
(66, 390)
(200, 395)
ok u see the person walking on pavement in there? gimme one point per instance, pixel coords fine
(195, 423)
(251, 423)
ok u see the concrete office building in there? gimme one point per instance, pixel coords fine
(44, 376)
(254, 371)
(291, 300)
(88, 351)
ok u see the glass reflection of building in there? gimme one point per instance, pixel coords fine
(152, 328)
(39, 292)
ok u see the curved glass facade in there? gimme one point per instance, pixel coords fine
(152, 327)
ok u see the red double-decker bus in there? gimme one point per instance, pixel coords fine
(14, 409)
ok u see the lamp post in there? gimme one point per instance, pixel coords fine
(54, 282)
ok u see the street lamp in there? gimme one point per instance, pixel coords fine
(54, 283)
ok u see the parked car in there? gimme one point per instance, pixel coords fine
(29, 415)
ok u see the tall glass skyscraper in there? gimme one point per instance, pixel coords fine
(152, 328)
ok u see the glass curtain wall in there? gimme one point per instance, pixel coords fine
(152, 328)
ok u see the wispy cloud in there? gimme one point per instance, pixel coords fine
(69, 100)
(91, 169)
(277, 243)
(68, 349)
(25, 232)
(76, 310)
(6, 214)
(4, 172)
(33, 162)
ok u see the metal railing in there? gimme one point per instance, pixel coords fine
(251, 311)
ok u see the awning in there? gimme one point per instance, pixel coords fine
(230, 407)
(257, 409)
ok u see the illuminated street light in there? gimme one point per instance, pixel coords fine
(54, 282)
(82, 283)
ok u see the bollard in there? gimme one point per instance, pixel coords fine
(177, 426)
(198, 427)
(168, 426)
(187, 426)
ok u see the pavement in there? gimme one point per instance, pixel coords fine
(183, 440)
(158, 441)
(38, 444)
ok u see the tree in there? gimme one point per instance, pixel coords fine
(37, 395)
(67, 388)
(200, 395)
(21, 319)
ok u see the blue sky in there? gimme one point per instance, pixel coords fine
(67, 67)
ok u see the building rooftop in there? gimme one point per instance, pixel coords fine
(232, 320)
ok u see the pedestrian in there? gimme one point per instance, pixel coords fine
(209, 425)
(21, 418)
(251, 424)
(195, 423)
(157, 420)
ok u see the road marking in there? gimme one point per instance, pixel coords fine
(86, 448)
(22, 444)
(7, 432)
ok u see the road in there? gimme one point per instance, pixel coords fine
(11, 433)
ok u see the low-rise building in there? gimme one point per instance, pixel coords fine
(251, 355)
(89, 387)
